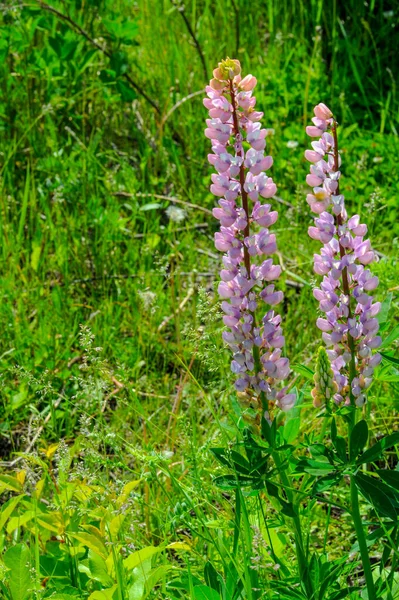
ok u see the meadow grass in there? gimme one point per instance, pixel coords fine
(112, 364)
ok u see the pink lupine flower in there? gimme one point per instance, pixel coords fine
(349, 328)
(246, 282)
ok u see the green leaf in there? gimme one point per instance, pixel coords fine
(10, 483)
(67, 593)
(376, 451)
(384, 310)
(391, 337)
(92, 542)
(212, 577)
(128, 94)
(303, 370)
(291, 430)
(221, 454)
(378, 494)
(358, 438)
(98, 569)
(7, 510)
(230, 482)
(135, 559)
(203, 592)
(326, 483)
(126, 31)
(17, 559)
(314, 467)
(269, 431)
(20, 520)
(150, 206)
(119, 63)
(390, 477)
(107, 594)
(140, 576)
(391, 359)
(340, 446)
(154, 577)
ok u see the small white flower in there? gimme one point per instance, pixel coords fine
(292, 144)
(175, 213)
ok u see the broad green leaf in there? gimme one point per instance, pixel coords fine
(291, 430)
(67, 593)
(91, 541)
(52, 521)
(358, 438)
(154, 577)
(126, 491)
(19, 520)
(9, 483)
(135, 559)
(390, 477)
(139, 576)
(378, 494)
(179, 546)
(115, 525)
(98, 569)
(63, 596)
(107, 594)
(17, 559)
(375, 452)
(212, 577)
(203, 592)
(326, 483)
(7, 510)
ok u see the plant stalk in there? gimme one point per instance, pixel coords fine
(345, 286)
(361, 538)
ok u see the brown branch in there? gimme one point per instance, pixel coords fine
(193, 36)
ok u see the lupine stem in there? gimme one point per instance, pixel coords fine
(345, 283)
(244, 195)
(301, 557)
(247, 230)
(283, 476)
(357, 521)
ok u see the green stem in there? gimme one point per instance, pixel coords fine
(361, 538)
(301, 557)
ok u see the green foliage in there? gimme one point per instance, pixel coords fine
(126, 474)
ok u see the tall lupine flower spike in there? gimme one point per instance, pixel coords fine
(350, 326)
(238, 144)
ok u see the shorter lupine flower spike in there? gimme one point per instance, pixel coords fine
(349, 325)
(324, 384)
(240, 183)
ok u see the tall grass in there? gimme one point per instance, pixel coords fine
(88, 170)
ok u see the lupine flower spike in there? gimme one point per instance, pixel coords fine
(350, 326)
(324, 384)
(238, 144)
